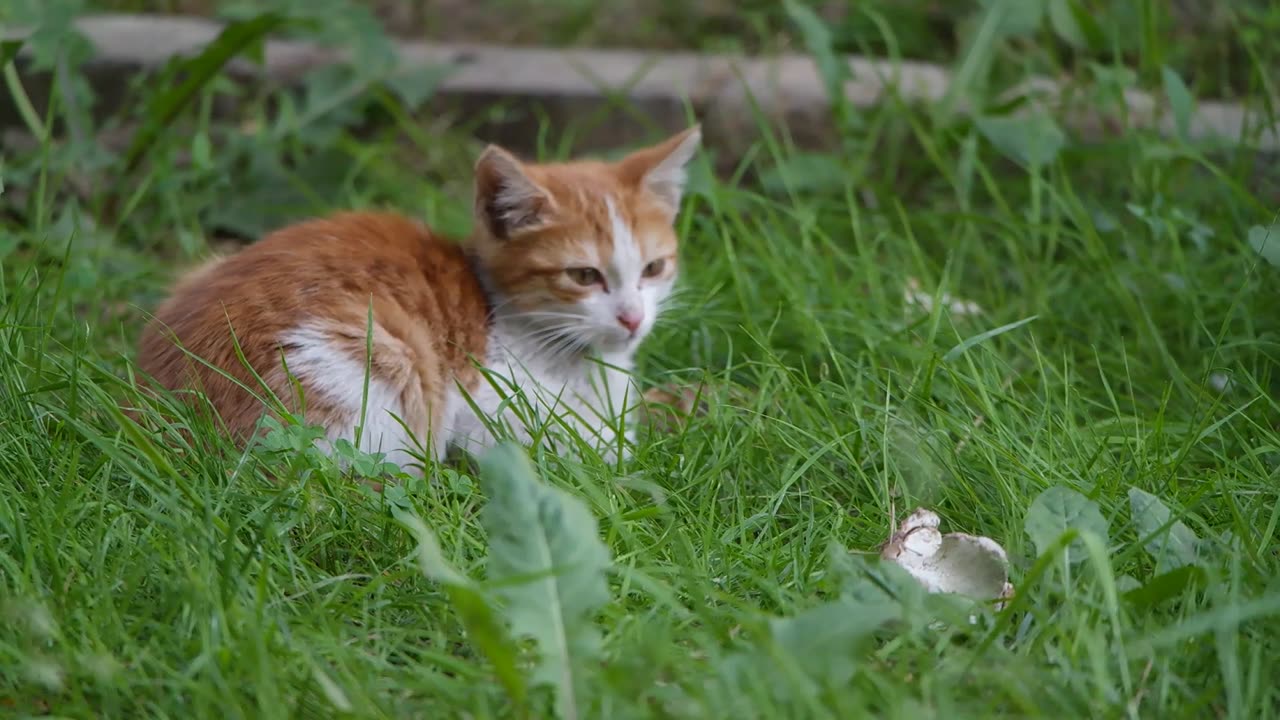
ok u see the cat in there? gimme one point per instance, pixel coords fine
(527, 328)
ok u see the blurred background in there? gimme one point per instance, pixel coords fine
(1210, 42)
(173, 127)
(122, 76)
(967, 254)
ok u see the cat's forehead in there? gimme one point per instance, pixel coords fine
(593, 192)
(619, 229)
(607, 212)
(602, 219)
(610, 205)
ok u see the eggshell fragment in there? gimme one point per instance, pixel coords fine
(957, 563)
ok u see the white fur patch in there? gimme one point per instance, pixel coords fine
(625, 270)
(627, 262)
(577, 393)
(329, 371)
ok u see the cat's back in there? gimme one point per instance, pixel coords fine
(289, 270)
(328, 271)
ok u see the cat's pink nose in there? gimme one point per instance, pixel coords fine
(630, 320)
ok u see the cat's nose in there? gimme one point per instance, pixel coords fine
(630, 319)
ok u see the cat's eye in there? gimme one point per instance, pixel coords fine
(585, 276)
(654, 269)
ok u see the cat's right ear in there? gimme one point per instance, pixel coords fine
(507, 201)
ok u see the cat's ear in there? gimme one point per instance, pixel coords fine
(661, 169)
(507, 201)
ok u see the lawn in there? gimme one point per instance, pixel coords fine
(1078, 357)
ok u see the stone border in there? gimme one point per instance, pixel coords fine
(727, 93)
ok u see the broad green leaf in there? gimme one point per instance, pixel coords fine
(415, 85)
(1018, 18)
(866, 580)
(1090, 31)
(269, 194)
(964, 346)
(737, 690)
(196, 72)
(1181, 103)
(869, 581)
(1171, 545)
(548, 564)
(201, 150)
(1064, 24)
(1166, 586)
(1266, 241)
(1057, 510)
(483, 628)
(9, 50)
(51, 36)
(825, 641)
(1032, 141)
(352, 26)
(329, 102)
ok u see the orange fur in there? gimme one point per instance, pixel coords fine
(335, 267)
(303, 296)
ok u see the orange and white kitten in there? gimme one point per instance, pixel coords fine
(564, 275)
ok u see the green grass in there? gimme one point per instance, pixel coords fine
(147, 574)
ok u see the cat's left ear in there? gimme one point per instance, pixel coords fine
(507, 200)
(662, 169)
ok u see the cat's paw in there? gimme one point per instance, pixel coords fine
(668, 407)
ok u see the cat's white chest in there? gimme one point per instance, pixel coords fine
(555, 401)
